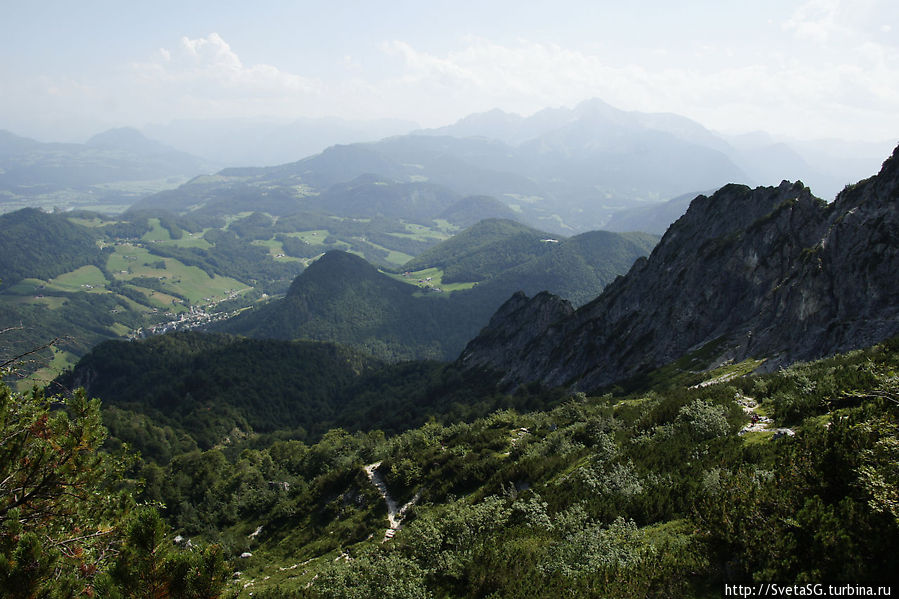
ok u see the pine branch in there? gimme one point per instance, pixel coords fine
(28, 353)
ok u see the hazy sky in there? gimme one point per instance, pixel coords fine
(815, 68)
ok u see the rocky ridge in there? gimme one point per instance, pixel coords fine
(516, 324)
(771, 272)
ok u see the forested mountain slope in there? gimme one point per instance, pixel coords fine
(659, 491)
(482, 251)
(176, 392)
(343, 299)
(40, 245)
(211, 384)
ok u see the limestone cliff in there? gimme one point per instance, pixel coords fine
(771, 272)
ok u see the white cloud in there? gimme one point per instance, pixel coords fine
(523, 77)
(788, 89)
(853, 96)
(208, 67)
(211, 51)
(196, 78)
(840, 22)
(815, 20)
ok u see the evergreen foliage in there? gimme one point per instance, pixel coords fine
(65, 508)
(203, 383)
(255, 226)
(481, 251)
(370, 196)
(40, 245)
(343, 299)
(652, 494)
(473, 209)
(169, 394)
(233, 257)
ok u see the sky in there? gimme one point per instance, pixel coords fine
(799, 68)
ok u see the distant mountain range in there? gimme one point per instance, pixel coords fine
(115, 155)
(772, 273)
(591, 116)
(556, 173)
(825, 165)
(366, 200)
(33, 172)
(568, 181)
(653, 218)
(560, 170)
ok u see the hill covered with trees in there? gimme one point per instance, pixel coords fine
(460, 282)
(38, 245)
(191, 389)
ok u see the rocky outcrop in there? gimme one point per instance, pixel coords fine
(770, 272)
(518, 323)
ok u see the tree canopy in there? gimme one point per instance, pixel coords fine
(69, 524)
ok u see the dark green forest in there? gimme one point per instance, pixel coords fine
(344, 299)
(202, 387)
(651, 489)
(40, 245)
(340, 298)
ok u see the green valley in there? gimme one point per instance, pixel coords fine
(152, 271)
(420, 367)
(444, 296)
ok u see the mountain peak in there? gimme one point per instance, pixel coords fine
(335, 265)
(493, 124)
(594, 107)
(496, 115)
(890, 166)
(128, 139)
(735, 207)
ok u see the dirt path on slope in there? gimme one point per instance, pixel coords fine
(759, 423)
(395, 513)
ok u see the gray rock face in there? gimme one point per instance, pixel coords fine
(769, 272)
(518, 323)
